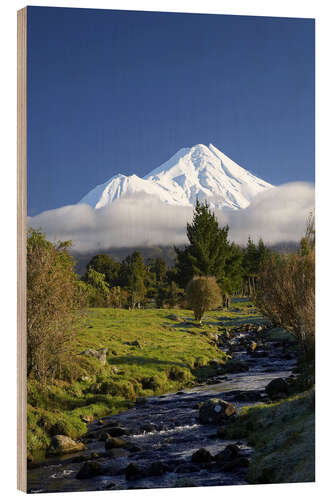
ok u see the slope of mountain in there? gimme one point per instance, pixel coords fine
(199, 172)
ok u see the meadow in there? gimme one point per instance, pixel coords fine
(149, 351)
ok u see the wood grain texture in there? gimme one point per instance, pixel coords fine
(21, 248)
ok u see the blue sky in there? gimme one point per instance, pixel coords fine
(118, 91)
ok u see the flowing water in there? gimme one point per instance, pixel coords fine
(166, 429)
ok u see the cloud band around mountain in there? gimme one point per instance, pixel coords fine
(140, 220)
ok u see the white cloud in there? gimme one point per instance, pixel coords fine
(140, 220)
(276, 215)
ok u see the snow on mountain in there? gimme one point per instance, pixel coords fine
(199, 172)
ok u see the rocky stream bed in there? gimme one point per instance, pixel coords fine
(161, 442)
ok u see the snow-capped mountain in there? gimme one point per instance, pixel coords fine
(199, 172)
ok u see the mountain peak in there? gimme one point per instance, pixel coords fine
(197, 172)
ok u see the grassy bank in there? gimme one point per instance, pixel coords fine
(282, 433)
(150, 351)
(283, 437)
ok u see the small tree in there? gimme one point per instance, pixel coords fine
(208, 247)
(203, 294)
(54, 298)
(286, 290)
(104, 264)
(97, 288)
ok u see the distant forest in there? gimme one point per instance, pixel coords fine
(167, 253)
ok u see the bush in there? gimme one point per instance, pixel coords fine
(286, 294)
(54, 297)
(122, 388)
(203, 294)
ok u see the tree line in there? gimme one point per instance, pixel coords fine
(134, 283)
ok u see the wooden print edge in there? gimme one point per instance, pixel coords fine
(21, 248)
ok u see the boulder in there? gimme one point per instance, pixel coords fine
(216, 411)
(114, 442)
(201, 456)
(90, 469)
(87, 418)
(99, 354)
(110, 423)
(277, 387)
(118, 431)
(61, 444)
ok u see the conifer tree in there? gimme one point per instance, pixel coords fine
(208, 249)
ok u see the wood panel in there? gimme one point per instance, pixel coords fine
(21, 248)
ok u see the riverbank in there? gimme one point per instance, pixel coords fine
(164, 443)
(283, 437)
(148, 352)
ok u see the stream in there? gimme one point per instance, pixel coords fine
(164, 432)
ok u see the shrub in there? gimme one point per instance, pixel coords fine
(286, 294)
(54, 297)
(203, 294)
(286, 290)
(122, 388)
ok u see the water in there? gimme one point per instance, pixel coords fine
(174, 435)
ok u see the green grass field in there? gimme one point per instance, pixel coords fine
(172, 353)
(283, 437)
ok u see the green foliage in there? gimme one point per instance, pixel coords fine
(208, 245)
(54, 298)
(97, 288)
(132, 276)
(286, 295)
(97, 280)
(283, 436)
(209, 252)
(231, 279)
(157, 269)
(104, 264)
(254, 258)
(203, 294)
